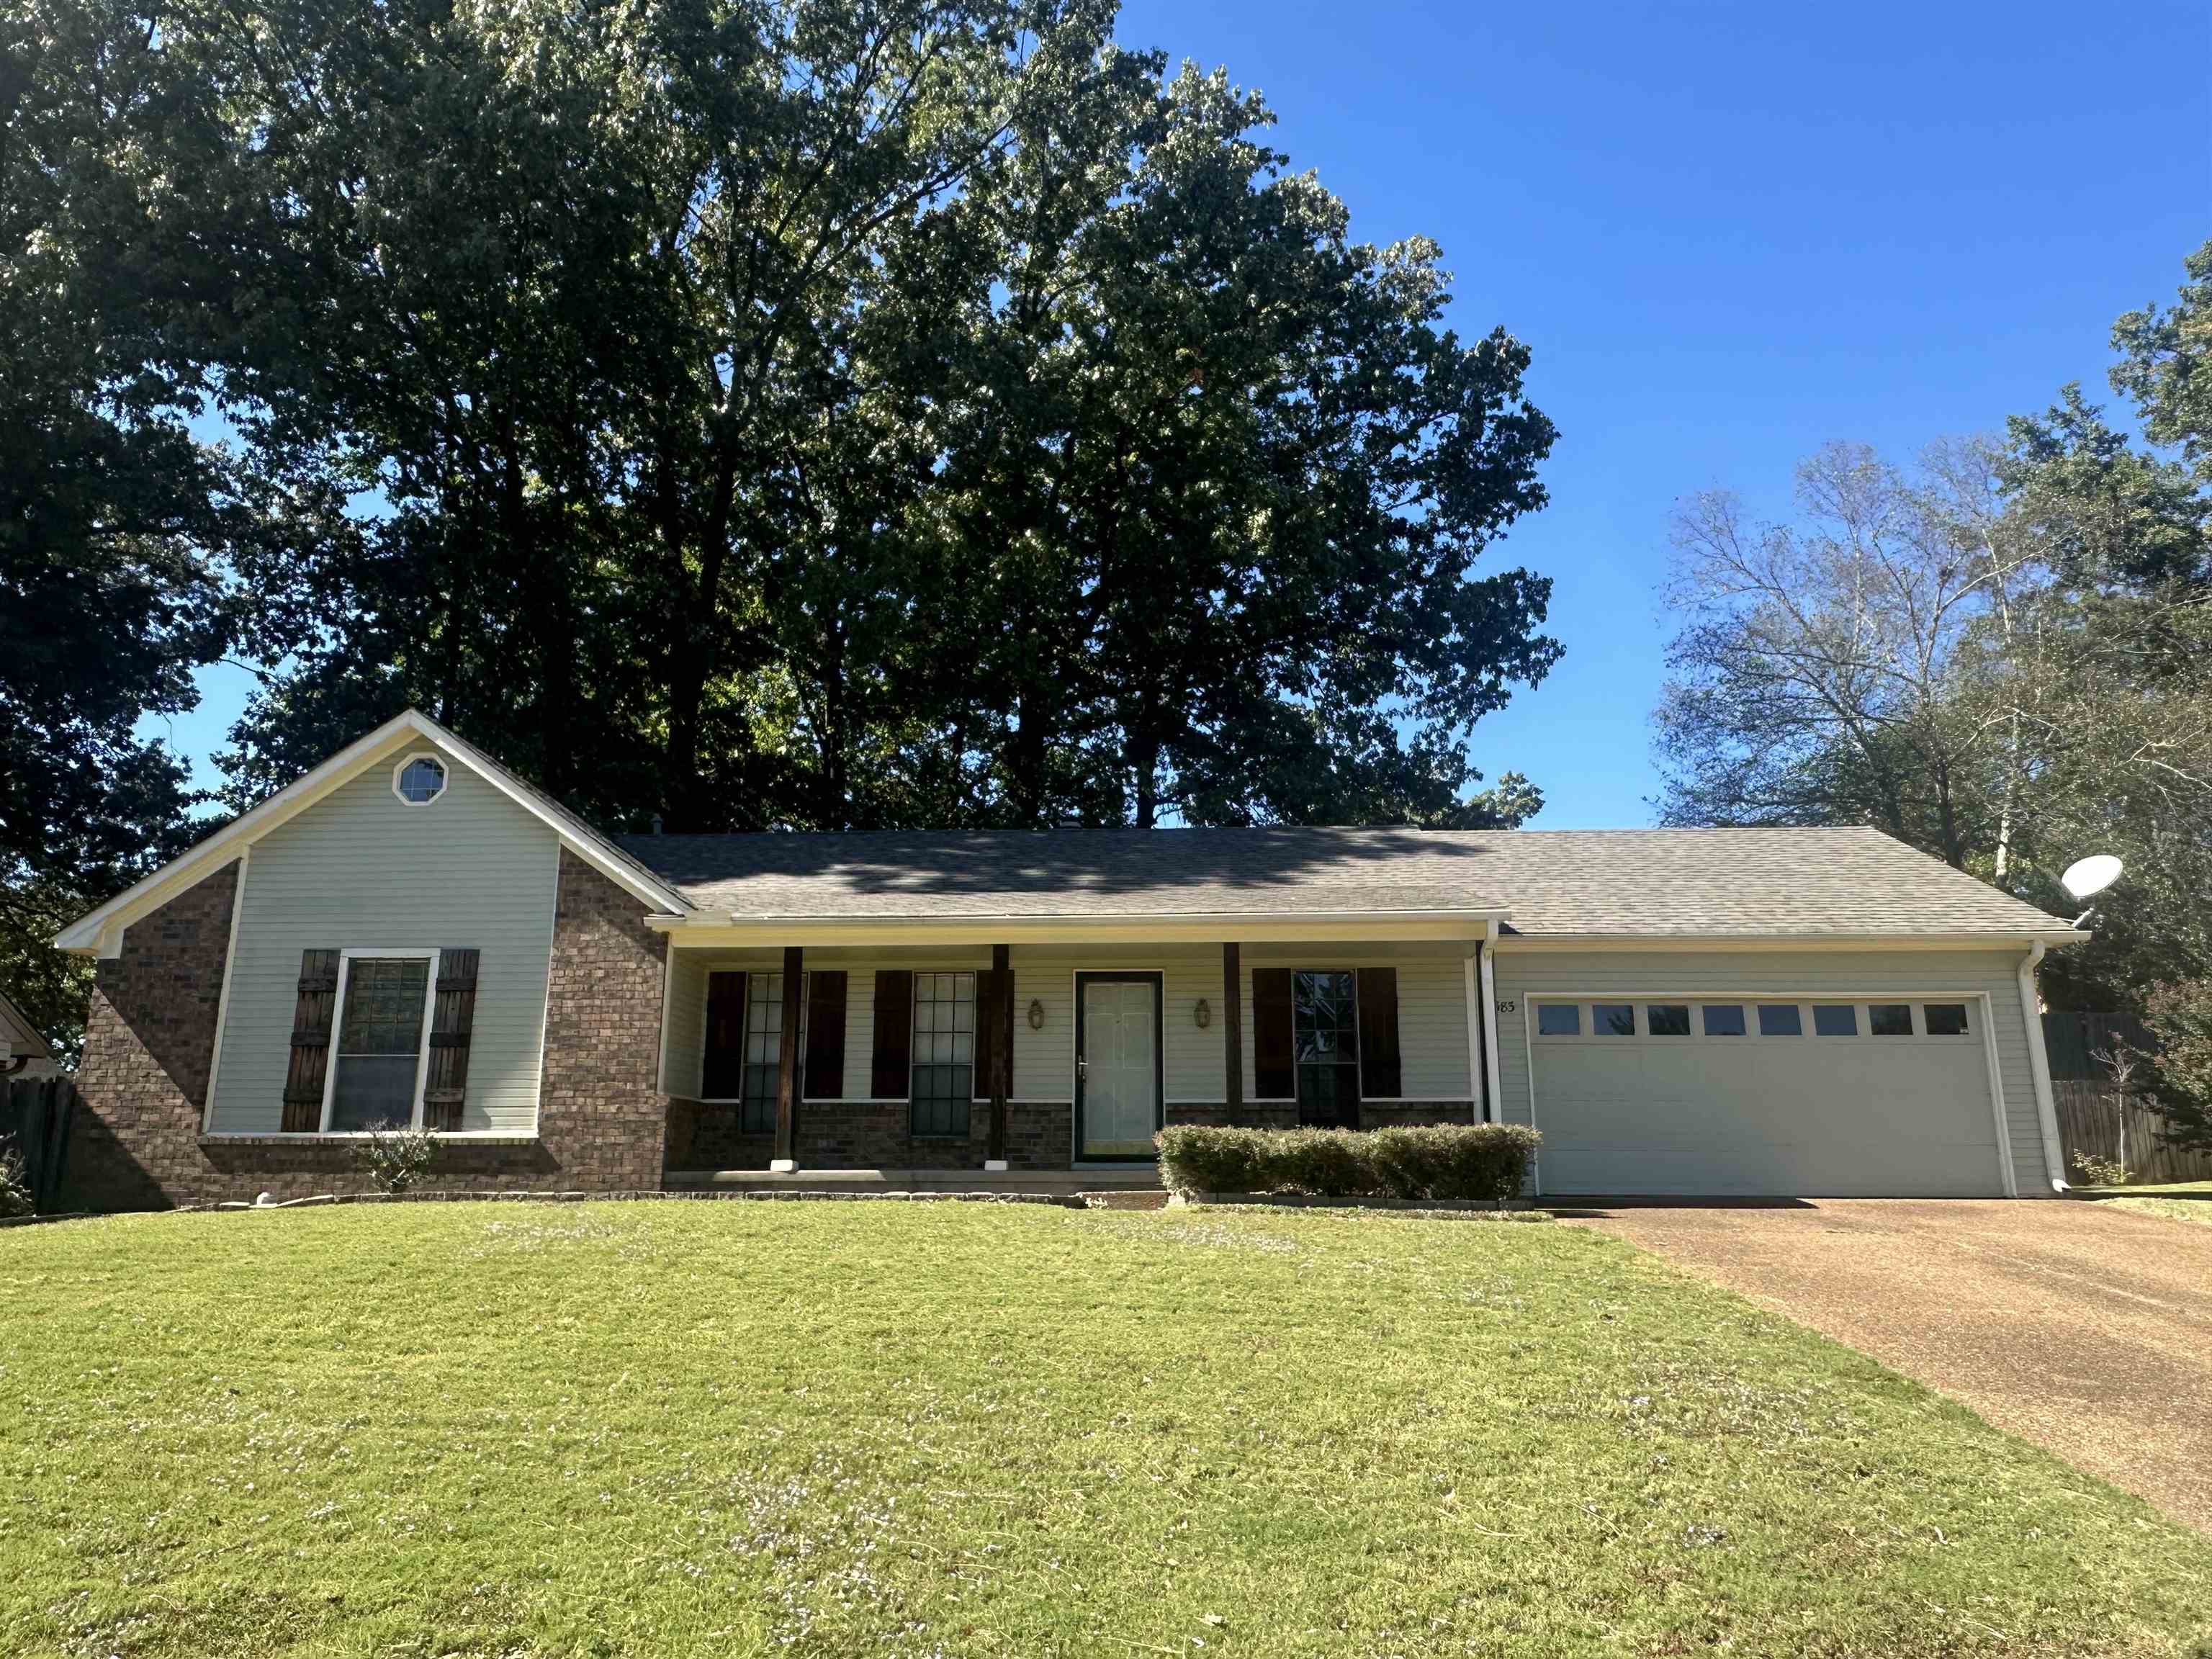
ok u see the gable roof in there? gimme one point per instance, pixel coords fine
(23, 1039)
(1635, 884)
(93, 931)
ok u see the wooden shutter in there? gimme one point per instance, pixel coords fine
(311, 1041)
(825, 1035)
(1379, 1071)
(890, 1075)
(451, 1017)
(722, 1067)
(1274, 1055)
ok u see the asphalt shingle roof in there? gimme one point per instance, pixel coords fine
(1632, 883)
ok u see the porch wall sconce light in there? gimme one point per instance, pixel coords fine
(1037, 1014)
(1203, 1014)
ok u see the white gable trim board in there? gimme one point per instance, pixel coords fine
(405, 735)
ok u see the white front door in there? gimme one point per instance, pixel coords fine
(1117, 1065)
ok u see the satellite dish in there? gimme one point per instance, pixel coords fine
(2091, 875)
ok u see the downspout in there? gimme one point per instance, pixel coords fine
(2038, 1060)
(1477, 1025)
(1490, 1027)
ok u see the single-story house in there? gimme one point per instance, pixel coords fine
(411, 934)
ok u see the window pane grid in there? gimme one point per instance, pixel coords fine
(379, 1042)
(944, 1061)
(764, 1056)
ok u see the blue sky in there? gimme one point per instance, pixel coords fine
(1730, 234)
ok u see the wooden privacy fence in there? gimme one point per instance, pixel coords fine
(2073, 1041)
(34, 1121)
(2089, 1121)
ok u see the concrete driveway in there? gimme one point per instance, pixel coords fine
(2085, 1329)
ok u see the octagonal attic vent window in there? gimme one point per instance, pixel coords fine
(419, 780)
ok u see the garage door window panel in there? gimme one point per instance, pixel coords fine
(1724, 1019)
(1558, 1019)
(1944, 1018)
(1613, 1019)
(1667, 1019)
(1781, 1019)
(1835, 1019)
(1890, 1019)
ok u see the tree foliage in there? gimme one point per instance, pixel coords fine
(747, 413)
(2003, 656)
(842, 415)
(115, 519)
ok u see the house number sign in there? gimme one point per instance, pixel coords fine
(1505, 1007)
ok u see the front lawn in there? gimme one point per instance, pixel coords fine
(2180, 1201)
(821, 1428)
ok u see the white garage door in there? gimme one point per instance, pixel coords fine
(1703, 1096)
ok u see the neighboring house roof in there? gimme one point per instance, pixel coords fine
(1687, 884)
(98, 930)
(24, 1039)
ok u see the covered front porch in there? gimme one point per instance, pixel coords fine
(1050, 1057)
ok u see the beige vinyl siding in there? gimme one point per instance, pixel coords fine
(1696, 973)
(1431, 1009)
(364, 869)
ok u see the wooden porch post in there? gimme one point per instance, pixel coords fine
(1232, 1027)
(786, 1062)
(1000, 1026)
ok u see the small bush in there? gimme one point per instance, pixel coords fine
(1437, 1161)
(394, 1158)
(15, 1196)
(2096, 1172)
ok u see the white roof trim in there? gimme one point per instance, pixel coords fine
(25, 1039)
(1988, 940)
(102, 928)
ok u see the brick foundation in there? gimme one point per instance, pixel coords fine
(135, 1140)
(872, 1135)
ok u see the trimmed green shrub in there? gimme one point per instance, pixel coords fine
(1436, 1161)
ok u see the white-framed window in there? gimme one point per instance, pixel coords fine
(942, 1079)
(1890, 1019)
(379, 1053)
(1944, 1019)
(741, 1046)
(419, 778)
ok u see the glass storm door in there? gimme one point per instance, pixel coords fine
(1117, 1065)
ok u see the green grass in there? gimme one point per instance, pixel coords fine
(2180, 1201)
(818, 1429)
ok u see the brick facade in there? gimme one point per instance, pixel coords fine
(872, 1135)
(135, 1140)
(600, 1115)
(1039, 1134)
(149, 1042)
